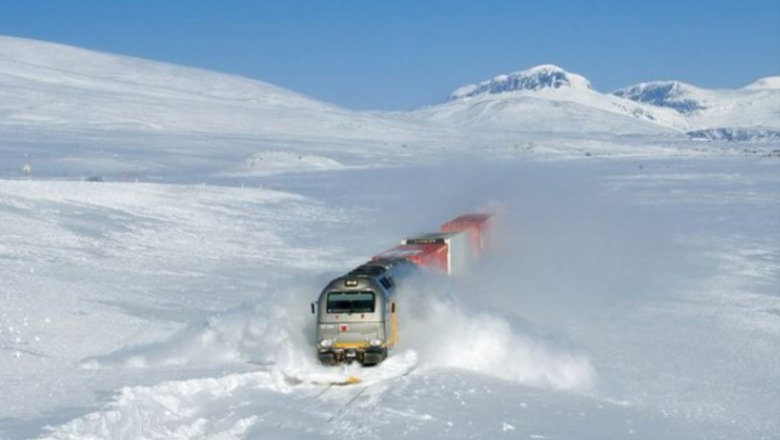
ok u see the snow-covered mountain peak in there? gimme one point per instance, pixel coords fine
(672, 94)
(546, 76)
(768, 83)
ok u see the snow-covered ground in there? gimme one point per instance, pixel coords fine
(163, 231)
(628, 298)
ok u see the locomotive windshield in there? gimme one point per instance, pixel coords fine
(350, 302)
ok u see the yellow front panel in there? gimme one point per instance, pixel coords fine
(350, 345)
(393, 329)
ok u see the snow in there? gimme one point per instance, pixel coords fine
(536, 78)
(634, 291)
(181, 311)
(673, 94)
(770, 82)
(547, 98)
(495, 348)
(287, 161)
(752, 111)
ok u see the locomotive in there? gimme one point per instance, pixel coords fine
(357, 313)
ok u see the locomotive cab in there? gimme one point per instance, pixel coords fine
(357, 317)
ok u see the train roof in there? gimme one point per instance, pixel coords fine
(383, 272)
(474, 217)
(379, 267)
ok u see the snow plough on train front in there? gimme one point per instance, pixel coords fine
(357, 313)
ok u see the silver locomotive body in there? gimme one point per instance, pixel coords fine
(357, 318)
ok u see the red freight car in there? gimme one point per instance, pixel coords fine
(458, 250)
(428, 255)
(477, 226)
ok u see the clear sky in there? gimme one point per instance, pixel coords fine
(403, 54)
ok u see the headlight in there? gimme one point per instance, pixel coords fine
(325, 343)
(376, 342)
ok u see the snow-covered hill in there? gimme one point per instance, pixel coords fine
(44, 83)
(681, 97)
(549, 99)
(749, 113)
(62, 92)
(78, 112)
(534, 79)
(64, 89)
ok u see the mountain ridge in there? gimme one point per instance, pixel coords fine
(749, 113)
(667, 93)
(49, 85)
(545, 76)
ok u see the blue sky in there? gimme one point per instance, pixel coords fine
(403, 54)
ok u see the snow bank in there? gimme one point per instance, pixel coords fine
(286, 161)
(170, 410)
(267, 333)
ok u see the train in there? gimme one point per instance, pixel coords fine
(357, 313)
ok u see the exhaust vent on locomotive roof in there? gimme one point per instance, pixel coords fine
(368, 269)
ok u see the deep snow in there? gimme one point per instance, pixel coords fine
(628, 298)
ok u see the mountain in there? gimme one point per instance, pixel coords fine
(768, 83)
(673, 94)
(542, 77)
(70, 111)
(62, 87)
(751, 113)
(547, 98)
(67, 94)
